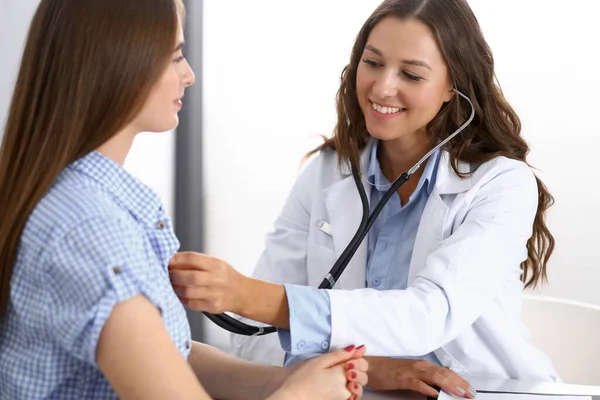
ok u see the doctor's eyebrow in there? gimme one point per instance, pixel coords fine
(416, 63)
(373, 49)
(179, 46)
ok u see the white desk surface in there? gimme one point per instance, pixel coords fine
(392, 395)
(500, 385)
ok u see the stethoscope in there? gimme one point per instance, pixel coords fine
(233, 325)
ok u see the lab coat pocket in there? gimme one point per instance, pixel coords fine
(319, 260)
(323, 235)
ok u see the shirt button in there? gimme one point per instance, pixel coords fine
(187, 344)
(376, 282)
(160, 225)
(116, 270)
(325, 345)
(301, 344)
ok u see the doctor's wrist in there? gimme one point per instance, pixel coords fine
(241, 296)
(262, 301)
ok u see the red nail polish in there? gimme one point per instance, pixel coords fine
(353, 375)
(360, 347)
(349, 366)
(356, 386)
(349, 348)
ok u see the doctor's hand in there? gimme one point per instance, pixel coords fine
(416, 375)
(206, 283)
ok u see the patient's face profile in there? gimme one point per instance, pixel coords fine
(160, 111)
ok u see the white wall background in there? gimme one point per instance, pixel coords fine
(14, 23)
(548, 63)
(270, 74)
(152, 160)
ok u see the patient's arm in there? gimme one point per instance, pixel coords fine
(139, 359)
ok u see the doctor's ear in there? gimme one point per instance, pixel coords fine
(449, 95)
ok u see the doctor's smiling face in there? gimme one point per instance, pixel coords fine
(402, 80)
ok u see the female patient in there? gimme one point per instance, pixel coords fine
(86, 307)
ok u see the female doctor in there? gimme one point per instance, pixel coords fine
(440, 275)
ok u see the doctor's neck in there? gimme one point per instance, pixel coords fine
(399, 155)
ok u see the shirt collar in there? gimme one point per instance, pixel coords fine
(376, 177)
(141, 201)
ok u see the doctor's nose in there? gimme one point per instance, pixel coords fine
(386, 84)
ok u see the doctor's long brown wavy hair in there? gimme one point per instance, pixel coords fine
(87, 69)
(496, 128)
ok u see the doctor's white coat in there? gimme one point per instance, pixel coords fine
(463, 299)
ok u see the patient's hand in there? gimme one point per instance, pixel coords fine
(416, 375)
(340, 374)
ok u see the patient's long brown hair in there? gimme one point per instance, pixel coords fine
(496, 128)
(87, 69)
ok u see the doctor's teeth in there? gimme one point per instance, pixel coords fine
(385, 110)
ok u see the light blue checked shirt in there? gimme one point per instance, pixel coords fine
(390, 246)
(98, 237)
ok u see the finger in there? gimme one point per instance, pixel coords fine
(189, 277)
(198, 305)
(416, 385)
(360, 364)
(203, 301)
(360, 351)
(190, 259)
(448, 381)
(355, 389)
(345, 394)
(358, 377)
(463, 387)
(192, 292)
(336, 357)
(338, 380)
(447, 385)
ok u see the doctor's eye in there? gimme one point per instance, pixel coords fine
(412, 77)
(372, 63)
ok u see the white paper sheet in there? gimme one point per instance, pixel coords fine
(512, 396)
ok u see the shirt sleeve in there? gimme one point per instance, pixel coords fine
(310, 321)
(92, 268)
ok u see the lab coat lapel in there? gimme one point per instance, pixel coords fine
(432, 227)
(429, 234)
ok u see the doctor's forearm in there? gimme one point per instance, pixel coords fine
(264, 302)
